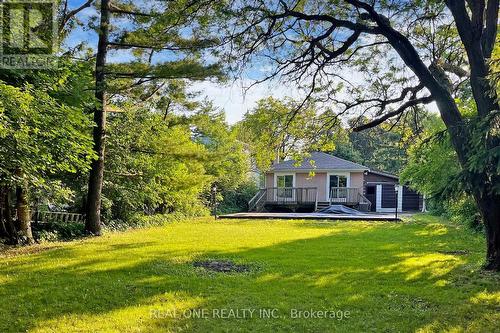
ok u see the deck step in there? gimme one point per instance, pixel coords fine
(323, 204)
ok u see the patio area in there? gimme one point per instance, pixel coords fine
(315, 216)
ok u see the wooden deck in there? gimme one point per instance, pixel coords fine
(292, 198)
(306, 199)
(312, 216)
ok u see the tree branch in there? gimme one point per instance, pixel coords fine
(115, 9)
(401, 109)
(454, 69)
(120, 45)
(471, 39)
(490, 31)
(477, 10)
(155, 76)
(401, 44)
(327, 18)
(66, 17)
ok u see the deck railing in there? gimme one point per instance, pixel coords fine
(292, 195)
(350, 195)
(307, 195)
(284, 196)
(364, 204)
(344, 195)
(257, 201)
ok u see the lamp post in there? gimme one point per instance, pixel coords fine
(214, 201)
(396, 189)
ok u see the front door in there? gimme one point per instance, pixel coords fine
(338, 187)
(371, 194)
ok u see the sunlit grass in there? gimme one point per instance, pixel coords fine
(422, 275)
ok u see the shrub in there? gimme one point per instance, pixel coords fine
(460, 210)
(464, 211)
(56, 231)
(139, 220)
(237, 200)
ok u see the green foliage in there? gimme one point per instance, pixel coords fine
(433, 170)
(381, 148)
(236, 200)
(432, 167)
(140, 220)
(278, 129)
(226, 159)
(281, 129)
(152, 166)
(41, 135)
(463, 210)
(158, 164)
(169, 41)
(187, 68)
(161, 158)
(45, 130)
(494, 75)
(52, 232)
(485, 152)
(345, 149)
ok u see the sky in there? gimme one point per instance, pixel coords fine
(235, 100)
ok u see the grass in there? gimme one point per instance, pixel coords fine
(419, 276)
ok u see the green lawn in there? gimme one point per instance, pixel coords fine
(383, 276)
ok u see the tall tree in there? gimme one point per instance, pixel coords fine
(149, 30)
(93, 218)
(407, 53)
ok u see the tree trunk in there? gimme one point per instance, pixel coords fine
(489, 206)
(23, 221)
(6, 215)
(7, 228)
(93, 218)
(4, 233)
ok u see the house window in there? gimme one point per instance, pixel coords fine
(284, 181)
(337, 181)
(285, 184)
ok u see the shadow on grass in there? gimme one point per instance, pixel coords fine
(389, 277)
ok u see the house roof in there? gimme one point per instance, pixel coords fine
(383, 173)
(319, 161)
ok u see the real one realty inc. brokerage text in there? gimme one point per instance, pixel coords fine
(248, 313)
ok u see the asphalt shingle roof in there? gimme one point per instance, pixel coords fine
(319, 161)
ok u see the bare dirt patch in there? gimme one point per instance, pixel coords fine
(222, 266)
